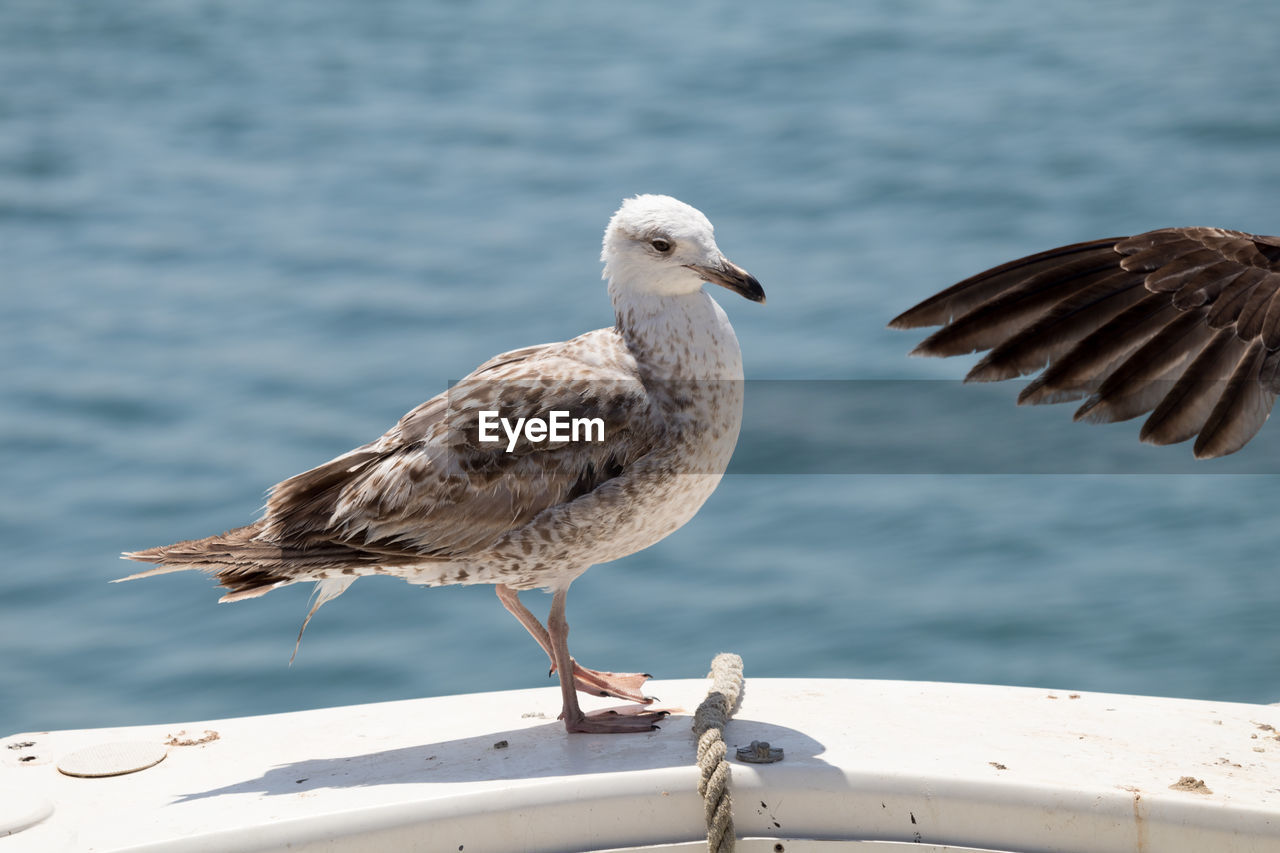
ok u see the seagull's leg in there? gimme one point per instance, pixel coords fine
(516, 608)
(620, 685)
(600, 722)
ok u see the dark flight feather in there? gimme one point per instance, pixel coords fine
(1183, 323)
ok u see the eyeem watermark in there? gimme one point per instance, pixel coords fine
(558, 426)
(852, 426)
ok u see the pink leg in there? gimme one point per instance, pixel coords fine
(600, 722)
(620, 685)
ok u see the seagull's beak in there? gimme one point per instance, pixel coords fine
(730, 275)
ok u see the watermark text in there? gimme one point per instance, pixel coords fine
(558, 427)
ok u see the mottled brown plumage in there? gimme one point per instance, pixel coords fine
(1180, 322)
(428, 492)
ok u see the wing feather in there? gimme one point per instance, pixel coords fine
(1182, 413)
(1054, 334)
(961, 298)
(1183, 323)
(1139, 384)
(1015, 308)
(1227, 307)
(431, 487)
(1243, 408)
(1084, 368)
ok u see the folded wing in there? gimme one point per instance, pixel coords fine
(430, 488)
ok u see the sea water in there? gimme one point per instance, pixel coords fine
(237, 239)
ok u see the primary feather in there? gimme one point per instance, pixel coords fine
(1180, 322)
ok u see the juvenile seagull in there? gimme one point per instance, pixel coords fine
(1182, 321)
(432, 503)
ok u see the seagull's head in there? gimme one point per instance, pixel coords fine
(658, 245)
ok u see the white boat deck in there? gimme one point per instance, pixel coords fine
(937, 766)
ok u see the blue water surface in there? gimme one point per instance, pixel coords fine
(239, 238)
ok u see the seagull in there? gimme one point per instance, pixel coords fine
(1183, 323)
(437, 501)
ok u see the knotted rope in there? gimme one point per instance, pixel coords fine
(708, 726)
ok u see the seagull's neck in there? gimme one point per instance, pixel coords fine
(685, 336)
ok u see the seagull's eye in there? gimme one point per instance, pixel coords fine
(660, 244)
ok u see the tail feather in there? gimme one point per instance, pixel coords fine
(248, 566)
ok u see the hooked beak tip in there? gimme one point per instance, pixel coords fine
(732, 277)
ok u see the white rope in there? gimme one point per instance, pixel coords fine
(708, 726)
